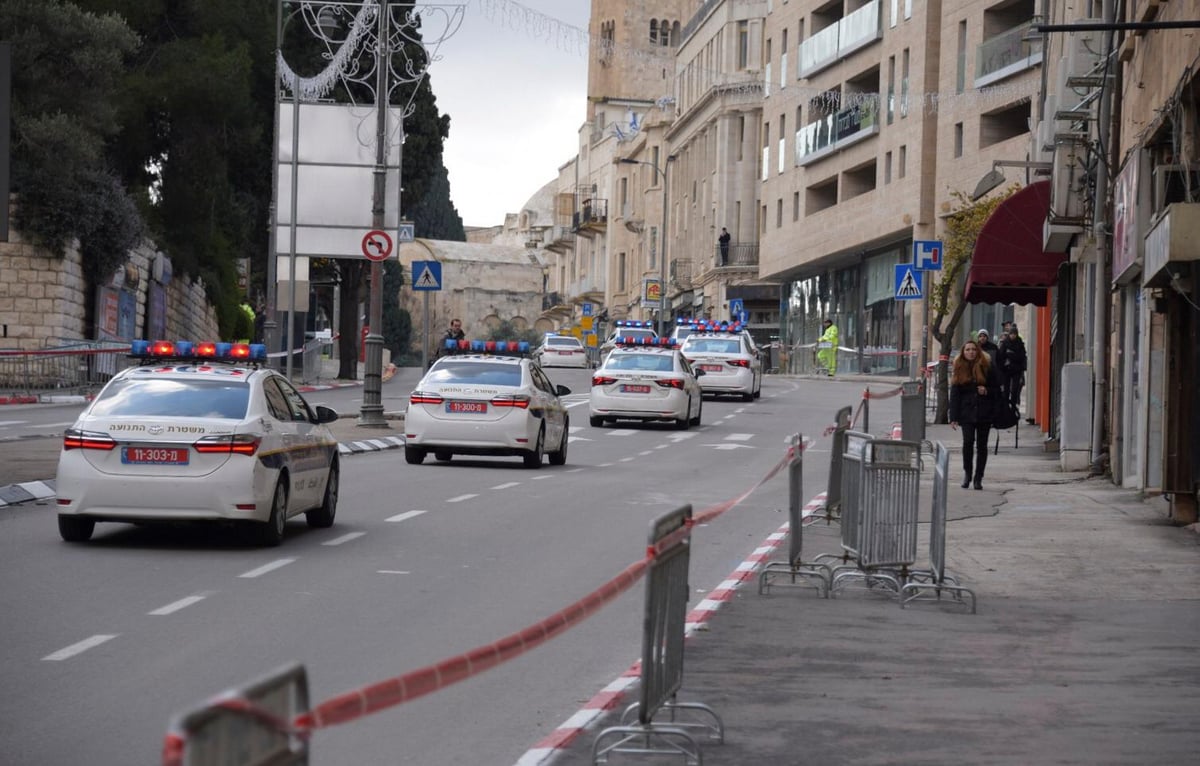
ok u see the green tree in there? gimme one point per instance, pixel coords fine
(67, 67)
(397, 324)
(946, 300)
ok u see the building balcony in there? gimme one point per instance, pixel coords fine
(1007, 54)
(681, 273)
(560, 239)
(591, 217)
(836, 132)
(741, 256)
(838, 40)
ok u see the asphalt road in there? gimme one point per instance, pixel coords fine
(425, 562)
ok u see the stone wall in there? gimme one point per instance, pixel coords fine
(44, 299)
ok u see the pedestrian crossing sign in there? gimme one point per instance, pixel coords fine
(426, 275)
(909, 282)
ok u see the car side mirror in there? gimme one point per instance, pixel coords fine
(326, 414)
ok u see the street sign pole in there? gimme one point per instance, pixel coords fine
(425, 330)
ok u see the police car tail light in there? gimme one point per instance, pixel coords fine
(740, 363)
(671, 383)
(73, 438)
(235, 444)
(423, 397)
(511, 400)
(603, 380)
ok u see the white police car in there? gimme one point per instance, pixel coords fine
(561, 351)
(198, 432)
(731, 365)
(646, 381)
(487, 398)
(627, 331)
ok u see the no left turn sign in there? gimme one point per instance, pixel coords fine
(377, 245)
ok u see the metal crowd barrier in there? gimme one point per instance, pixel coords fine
(81, 366)
(795, 567)
(833, 492)
(935, 579)
(662, 658)
(245, 726)
(311, 366)
(880, 511)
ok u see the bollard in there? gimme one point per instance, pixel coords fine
(912, 411)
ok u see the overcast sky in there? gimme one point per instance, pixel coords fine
(514, 81)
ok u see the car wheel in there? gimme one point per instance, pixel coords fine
(748, 397)
(533, 458)
(596, 421)
(322, 517)
(699, 412)
(443, 455)
(75, 529)
(414, 455)
(559, 457)
(270, 532)
(685, 422)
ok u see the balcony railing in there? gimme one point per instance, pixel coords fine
(837, 131)
(681, 273)
(550, 300)
(839, 40)
(1006, 54)
(591, 216)
(740, 255)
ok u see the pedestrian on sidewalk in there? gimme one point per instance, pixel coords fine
(1014, 359)
(974, 391)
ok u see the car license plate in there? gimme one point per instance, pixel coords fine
(712, 367)
(565, 353)
(634, 388)
(467, 407)
(154, 455)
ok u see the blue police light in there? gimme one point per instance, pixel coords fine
(186, 350)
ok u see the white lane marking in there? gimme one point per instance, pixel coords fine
(605, 465)
(678, 437)
(79, 648)
(182, 603)
(575, 429)
(575, 470)
(405, 516)
(262, 570)
(628, 459)
(460, 498)
(391, 571)
(344, 538)
(14, 422)
(643, 453)
(543, 476)
(622, 432)
(740, 437)
(507, 485)
(577, 439)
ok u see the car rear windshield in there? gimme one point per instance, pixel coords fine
(165, 398)
(646, 362)
(713, 345)
(478, 373)
(571, 342)
(639, 334)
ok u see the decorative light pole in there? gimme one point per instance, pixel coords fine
(663, 330)
(345, 32)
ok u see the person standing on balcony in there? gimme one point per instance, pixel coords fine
(724, 242)
(827, 348)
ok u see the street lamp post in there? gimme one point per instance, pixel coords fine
(662, 290)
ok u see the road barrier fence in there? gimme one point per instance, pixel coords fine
(72, 368)
(935, 579)
(795, 569)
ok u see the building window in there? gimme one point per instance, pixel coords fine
(743, 43)
(887, 168)
(621, 271)
(902, 162)
(778, 213)
(958, 139)
(795, 206)
(762, 220)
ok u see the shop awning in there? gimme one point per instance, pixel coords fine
(1009, 265)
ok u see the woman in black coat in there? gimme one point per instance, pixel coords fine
(974, 391)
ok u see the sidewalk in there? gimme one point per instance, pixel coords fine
(1082, 650)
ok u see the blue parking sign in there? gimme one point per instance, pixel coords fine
(927, 254)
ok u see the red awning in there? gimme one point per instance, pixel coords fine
(1009, 265)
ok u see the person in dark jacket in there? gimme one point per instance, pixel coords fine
(1013, 361)
(974, 391)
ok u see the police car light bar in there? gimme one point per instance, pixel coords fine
(626, 341)
(644, 324)
(701, 325)
(186, 350)
(496, 347)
